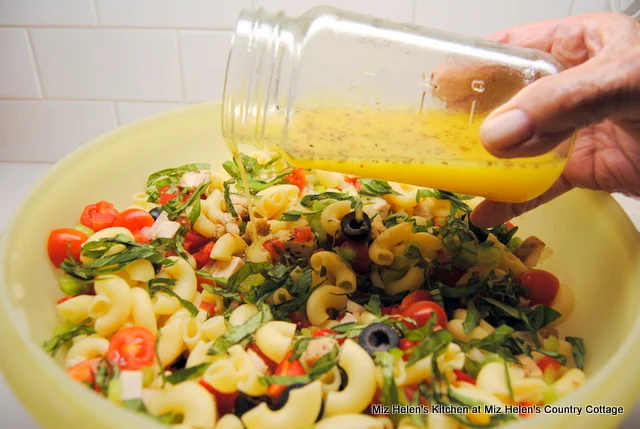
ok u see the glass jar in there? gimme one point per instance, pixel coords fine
(344, 92)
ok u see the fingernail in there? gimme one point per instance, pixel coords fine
(506, 130)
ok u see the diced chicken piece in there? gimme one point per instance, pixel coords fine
(530, 250)
(161, 228)
(422, 210)
(377, 206)
(130, 385)
(377, 228)
(239, 203)
(193, 179)
(349, 317)
(318, 348)
(226, 269)
(298, 249)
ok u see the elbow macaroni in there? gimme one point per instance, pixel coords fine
(337, 272)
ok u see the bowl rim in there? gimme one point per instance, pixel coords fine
(49, 367)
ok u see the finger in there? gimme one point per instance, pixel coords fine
(550, 110)
(492, 213)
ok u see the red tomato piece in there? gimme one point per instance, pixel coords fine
(134, 220)
(275, 248)
(287, 368)
(132, 348)
(509, 225)
(203, 256)
(463, 376)
(390, 310)
(208, 307)
(297, 178)
(83, 372)
(226, 402)
(542, 284)
(193, 241)
(548, 362)
(406, 344)
(323, 332)
(165, 196)
(302, 234)
(354, 181)
(525, 404)
(64, 242)
(99, 216)
(300, 320)
(327, 332)
(421, 312)
(362, 262)
(413, 297)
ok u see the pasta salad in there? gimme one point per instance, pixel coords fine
(321, 301)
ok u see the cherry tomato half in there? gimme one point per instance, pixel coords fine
(134, 220)
(421, 312)
(413, 297)
(64, 242)
(203, 256)
(297, 178)
(132, 348)
(285, 368)
(542, 284)
(99, 216)
(193, 241)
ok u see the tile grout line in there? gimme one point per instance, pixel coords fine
(110, 27)
(414, 10)
(183, 77)
(105, 100)
(35, 66)
(116, 116)
(95, 12)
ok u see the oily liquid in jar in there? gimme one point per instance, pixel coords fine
(437, 148)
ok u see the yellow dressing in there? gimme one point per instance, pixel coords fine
(437, 149)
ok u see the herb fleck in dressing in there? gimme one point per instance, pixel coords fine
(437, 149)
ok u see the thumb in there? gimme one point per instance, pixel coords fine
(550, 110)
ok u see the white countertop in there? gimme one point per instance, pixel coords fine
(19, 178)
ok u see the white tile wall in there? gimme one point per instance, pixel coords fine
(72, 69)
(219, 14)
(481, 18)
(47, 12)
(45, 131)
(204, 60)
(108, 64)
(127, 112)
(18, 77)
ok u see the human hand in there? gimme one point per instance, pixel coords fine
(598, 94)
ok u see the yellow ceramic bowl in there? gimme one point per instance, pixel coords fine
(596, 252)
